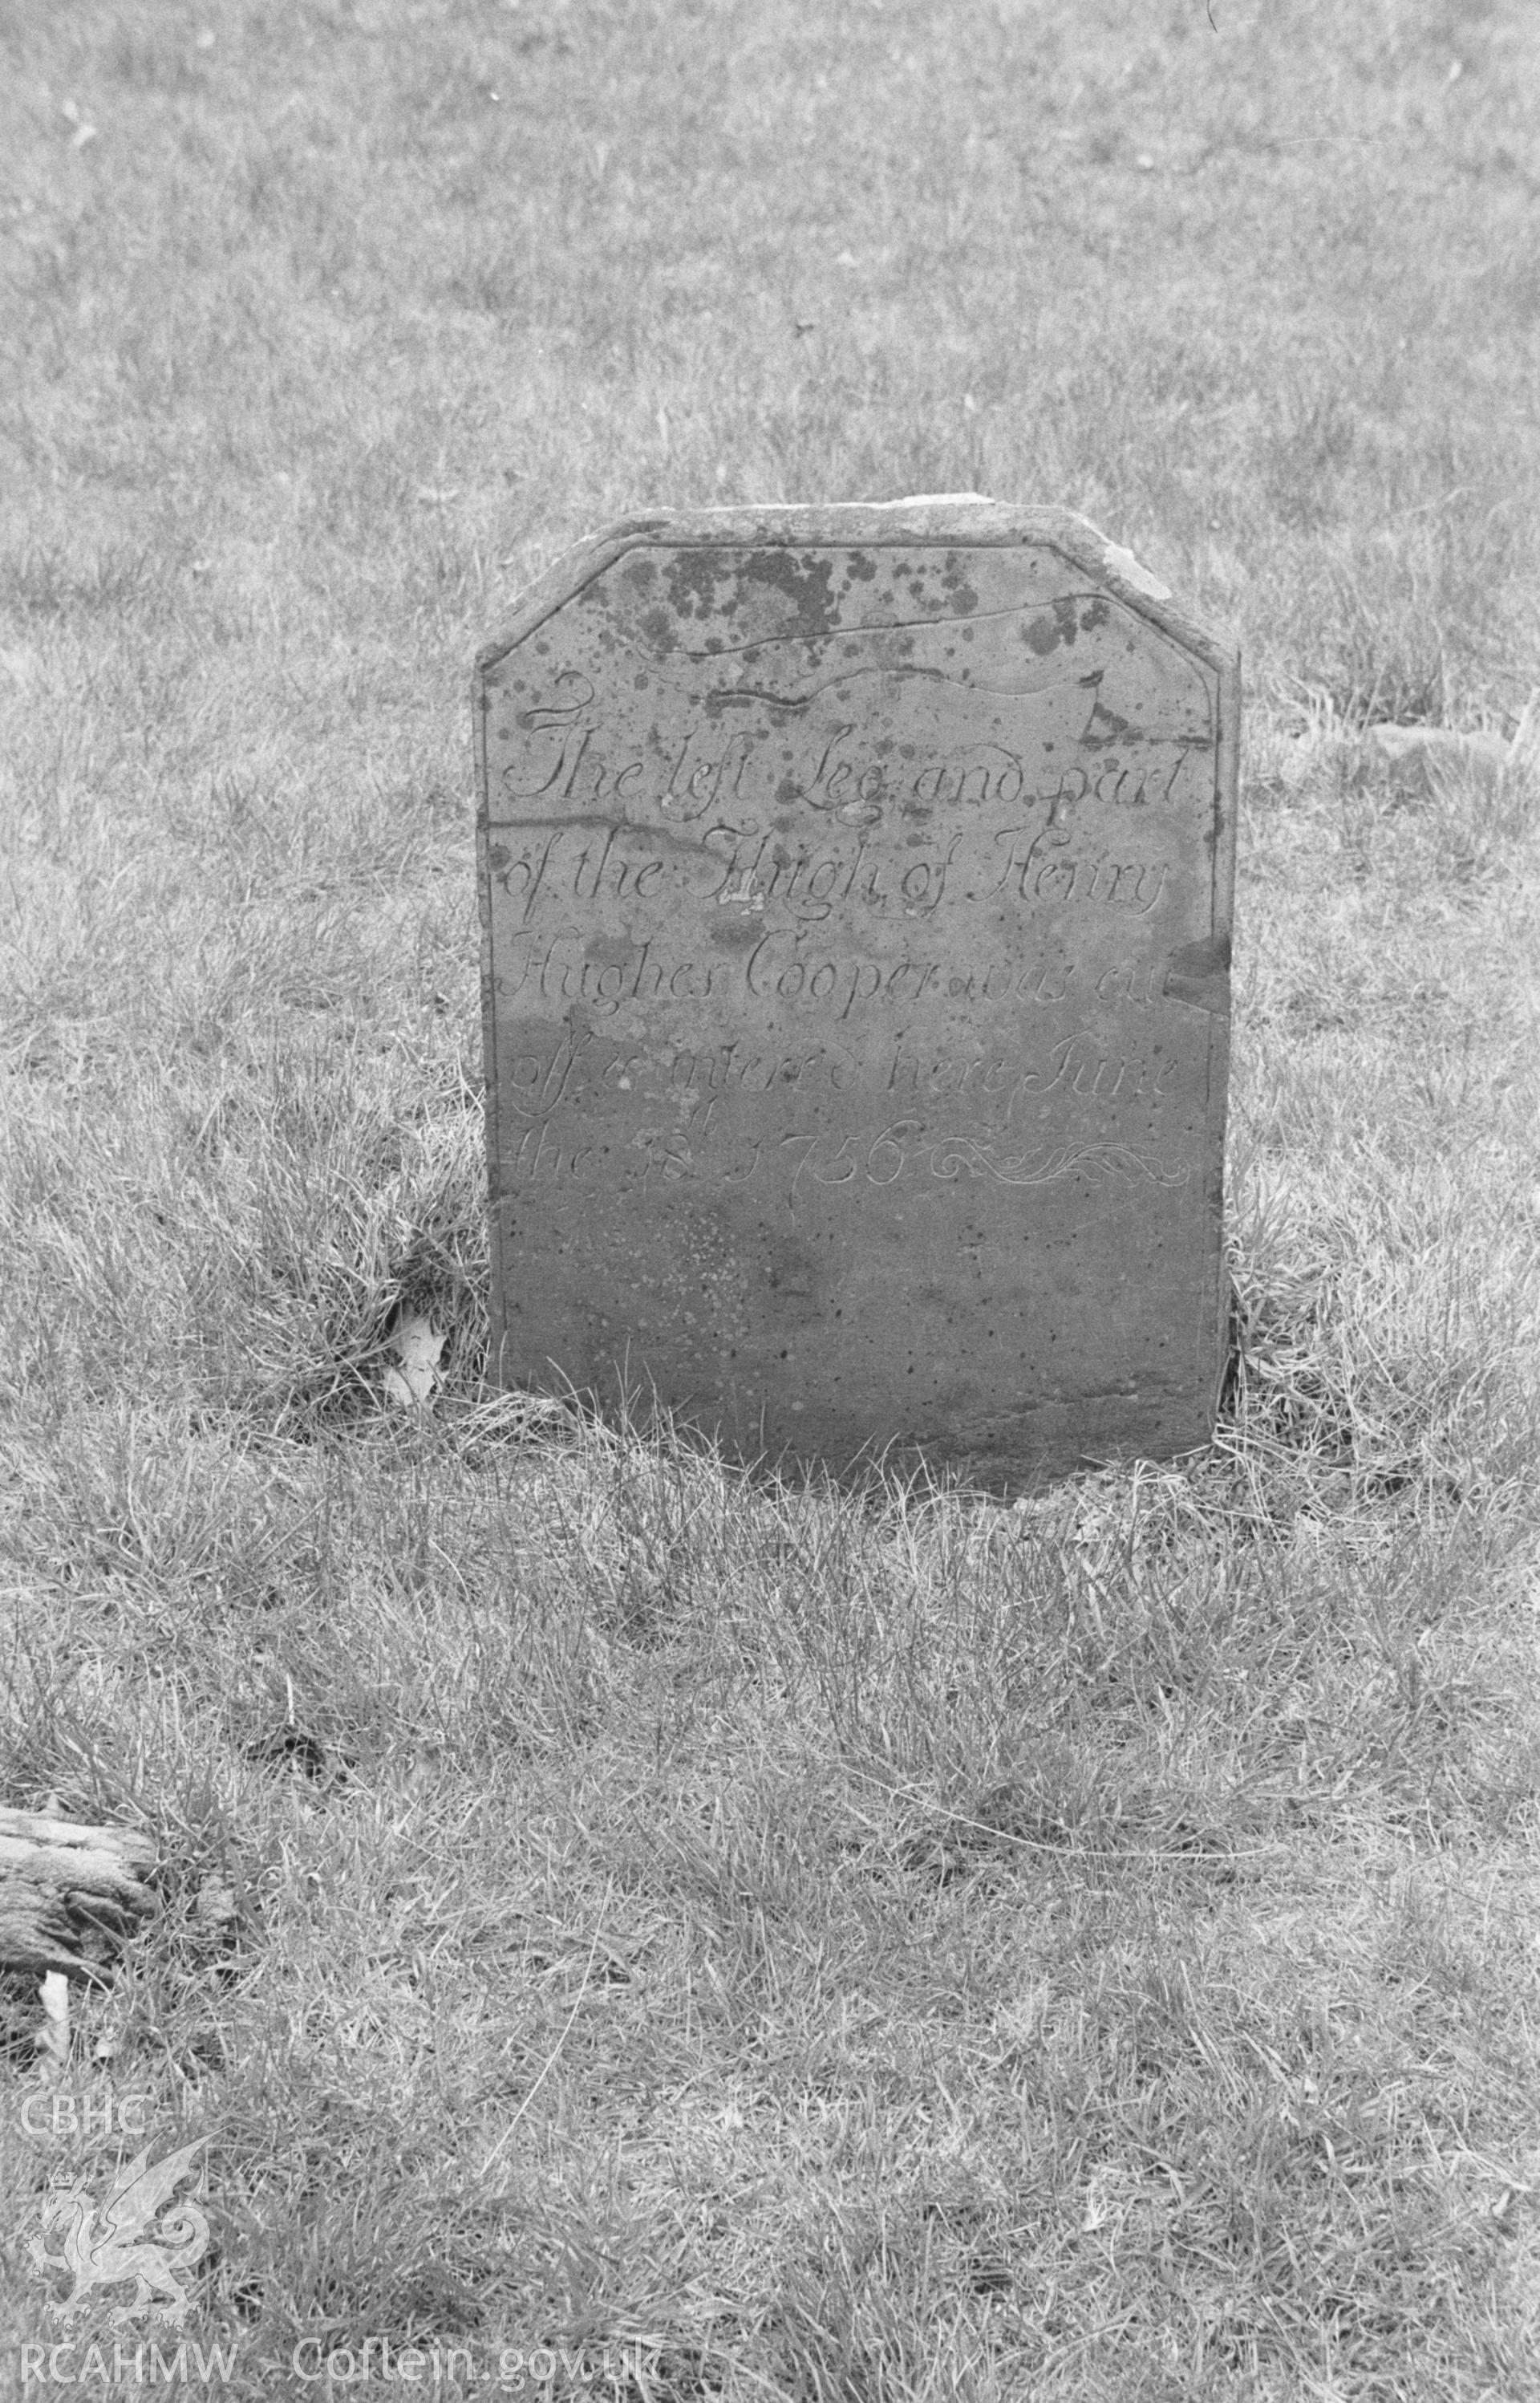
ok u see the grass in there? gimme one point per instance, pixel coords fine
(751, 1940)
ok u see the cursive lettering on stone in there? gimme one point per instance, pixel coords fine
(583, 861)
(761, 867)
(571, 965)
(565, 760)
(869, 1157)
(553, 968)
(1046, 869)
(535, 1083)
(733, 1067)
(1076, 1064)
(776, 970)
(906, 1145)
(541, 1154)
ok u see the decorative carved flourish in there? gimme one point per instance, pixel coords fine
(902, 1146)
(958, 1154)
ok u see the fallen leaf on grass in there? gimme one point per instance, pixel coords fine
(419, 1349)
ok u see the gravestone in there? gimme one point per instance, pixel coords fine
(855, 886)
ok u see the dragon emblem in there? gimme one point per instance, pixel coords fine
(108, 2244)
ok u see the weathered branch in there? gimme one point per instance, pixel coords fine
(62, 1884)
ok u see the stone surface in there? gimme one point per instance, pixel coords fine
(856, 888)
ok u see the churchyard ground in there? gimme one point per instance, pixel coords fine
(659, 1933)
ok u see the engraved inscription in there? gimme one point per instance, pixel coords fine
(538, 1083)
(808, 745)
(566, 967)
(856, 973)
(880, 1156)
(743, 866)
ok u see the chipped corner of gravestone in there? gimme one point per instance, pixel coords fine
(1122, 563)
(857, 889)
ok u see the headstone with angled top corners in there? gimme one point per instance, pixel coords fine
(855, 885)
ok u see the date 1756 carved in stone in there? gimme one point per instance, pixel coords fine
(855, 886)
